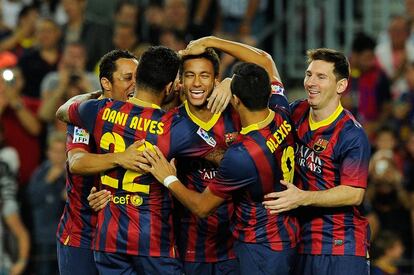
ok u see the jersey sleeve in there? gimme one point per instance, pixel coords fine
(277, 97)
(236, 171)
(84, 114)
(77, 137)
(355, 154)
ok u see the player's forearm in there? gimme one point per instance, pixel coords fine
(245, 53)
(335, 197)
(63, 112)
(193, 200)
(84, 163)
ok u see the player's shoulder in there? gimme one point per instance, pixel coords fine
(237, 156)
(351, 125)
(299, 106)
(352, 131)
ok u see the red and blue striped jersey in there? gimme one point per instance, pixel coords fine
(138, 220)
(208, 239)
(77, 224)
(253, 167)
(330, 153)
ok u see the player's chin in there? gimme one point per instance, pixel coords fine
(199, 102)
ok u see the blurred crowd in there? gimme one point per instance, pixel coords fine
(49, 51)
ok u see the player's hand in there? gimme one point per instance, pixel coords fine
(195, 47)
(278, 202)
(159, 166)
(132, 157)
(99, 199)
(220, 97)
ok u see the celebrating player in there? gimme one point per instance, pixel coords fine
(249, 169)
(76, 229)
(332, 157)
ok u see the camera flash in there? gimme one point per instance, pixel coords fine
(8, 75)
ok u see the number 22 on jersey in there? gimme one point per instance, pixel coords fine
(128, 184)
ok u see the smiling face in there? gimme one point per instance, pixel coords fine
(123, 79)
(321, 84)
(198, 81)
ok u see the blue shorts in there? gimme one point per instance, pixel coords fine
(260, 259)
(229, 267)
(114, 263)
(75, 260)
(331, 264)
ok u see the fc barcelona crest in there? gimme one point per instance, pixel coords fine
(320, 145)
(229, 138)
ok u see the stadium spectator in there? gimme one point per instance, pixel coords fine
(386, 252)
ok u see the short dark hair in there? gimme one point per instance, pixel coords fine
(341, 64)
(209, 54)
(107, 64)
(157, 67)
(251, 84)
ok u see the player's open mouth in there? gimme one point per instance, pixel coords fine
(130, 94)
(312, 92)
(197, 94)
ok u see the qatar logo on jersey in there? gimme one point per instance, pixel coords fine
(320, 145)
(207, 138)
(208, 173)
(80, 136)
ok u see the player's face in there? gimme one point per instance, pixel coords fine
(123, 79)
(320, 83)
(198, 81)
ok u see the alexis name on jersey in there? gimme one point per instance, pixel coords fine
(278, 136)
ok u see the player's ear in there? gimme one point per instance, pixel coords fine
(235, 101)
(169, 88)
(341, 86)
(106, 84)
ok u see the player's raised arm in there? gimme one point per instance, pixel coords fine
(240, 51)
(63, 112)
(219, 98)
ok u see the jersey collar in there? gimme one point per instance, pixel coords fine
(142, 103)
(259, 125)
(316, 125)
(205, 125)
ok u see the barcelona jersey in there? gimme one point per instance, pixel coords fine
(330, 153)
(253, 167)
(138, 220)
(77, 224)
(208, 239)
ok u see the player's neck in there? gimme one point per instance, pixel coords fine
(320, 114)
(148, 97)
(248, 118)
(202, 113)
